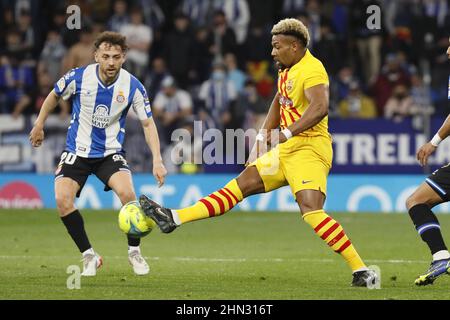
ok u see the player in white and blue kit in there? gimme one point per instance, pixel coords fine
(435, 190)
(101, 95)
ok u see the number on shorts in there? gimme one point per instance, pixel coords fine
(67, 158)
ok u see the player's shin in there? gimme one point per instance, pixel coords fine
(334, 235)
(217, 203)
(75, 227)
(427, 225)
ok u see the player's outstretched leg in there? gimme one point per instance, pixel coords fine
(217, 203)
(427, 225)
(213, 205)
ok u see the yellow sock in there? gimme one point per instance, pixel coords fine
(217, 203)
(333, 234)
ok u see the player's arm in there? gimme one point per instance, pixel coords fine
(318, 97)
(152, 139)
(428, 148)
(37, 133)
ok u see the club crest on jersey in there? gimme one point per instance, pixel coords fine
(290, 85)
(120, 97)
(100, 118)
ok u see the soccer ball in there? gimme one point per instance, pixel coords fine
(133, 221)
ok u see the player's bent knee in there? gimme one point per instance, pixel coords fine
(126, 196)
(64, 204)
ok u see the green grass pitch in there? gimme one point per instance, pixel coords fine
(241, 255)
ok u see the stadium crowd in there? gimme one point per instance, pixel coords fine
(211, 59)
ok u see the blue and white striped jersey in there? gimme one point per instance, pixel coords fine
(97, 128)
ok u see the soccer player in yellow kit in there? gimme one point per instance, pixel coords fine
(300, 157)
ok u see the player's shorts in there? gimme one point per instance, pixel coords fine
(303, 163)
(439, 181)
(78, 168)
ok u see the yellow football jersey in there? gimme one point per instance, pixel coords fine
(292, 83)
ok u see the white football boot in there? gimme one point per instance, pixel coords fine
(91, 262)
(140, 266)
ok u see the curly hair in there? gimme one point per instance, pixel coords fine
(292, 27)
(112, 38)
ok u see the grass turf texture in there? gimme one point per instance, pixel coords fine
(239, 255)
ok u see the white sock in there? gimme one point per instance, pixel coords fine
(131, 248)
(361, 269)
(443, 254)
(176, 218)
(89, 251)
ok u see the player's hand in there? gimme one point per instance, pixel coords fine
(159, 172)
(424, 152)
(36, 136)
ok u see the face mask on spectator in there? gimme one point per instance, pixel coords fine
(218, 75)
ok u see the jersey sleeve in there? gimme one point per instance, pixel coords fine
(316, 75)
(66, 86)
(141, 103)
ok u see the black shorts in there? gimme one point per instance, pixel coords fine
(79, 169)
(440, 182)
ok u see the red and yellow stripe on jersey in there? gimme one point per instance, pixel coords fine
(292, 83)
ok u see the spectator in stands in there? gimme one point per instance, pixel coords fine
(357, 105)
(420, 94)
(201, 58)
(238, 16)
(253, 105)
(120, 16)
(400, 105)
(292, 7)
(257, 48)
(197, 11)
(81, 53)
(15, 80)
(170, 107)
(52, 55)
(139, 39)
(31, 102)
(391, 75)
(28, 37)
(368, 41)
(217, 97)
(153, 15)
(222, 39)
(236, 76)
(156, 75)
(178, 50)
(328, 50)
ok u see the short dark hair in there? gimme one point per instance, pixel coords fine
(113, 38)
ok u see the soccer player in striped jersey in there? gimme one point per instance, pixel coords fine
(101, 95)
(301, 155)
(435, 190)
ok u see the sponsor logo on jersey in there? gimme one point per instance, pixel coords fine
(19, 194)
(100, 117)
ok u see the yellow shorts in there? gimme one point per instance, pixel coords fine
(301, 162)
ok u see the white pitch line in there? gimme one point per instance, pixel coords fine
(196, 259)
